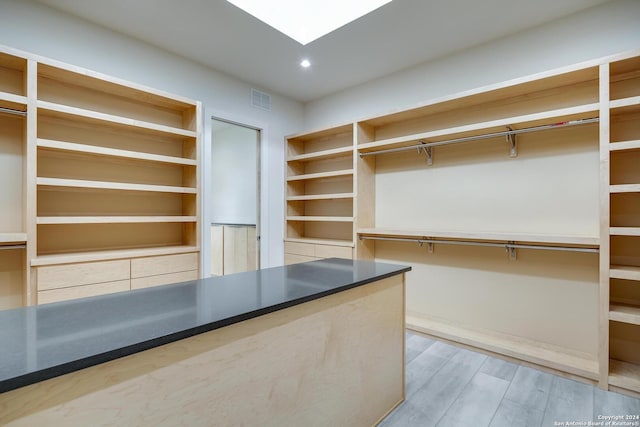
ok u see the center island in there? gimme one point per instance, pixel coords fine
(313, 344)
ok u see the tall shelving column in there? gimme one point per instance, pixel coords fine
(624, 273)
(116, 183)
(320, 195)
(13, 146)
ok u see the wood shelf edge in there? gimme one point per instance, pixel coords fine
(545, 117)
(329, 242)
(320, 218)
(624, 375)
(624, 313)
(78, 257)
(625, 231)
(573, 362)
(625, 145)
(111, 152)
(480, 236)
(113, 119)
(320, 175)
(326, 154)
(51, 220)
(321, 197)
(20, 238)
(108, 185)
(625, 272)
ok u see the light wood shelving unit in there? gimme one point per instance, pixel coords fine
(623, 329)
(586, 116)
(109, 172)
(320, 195)
(13, 162)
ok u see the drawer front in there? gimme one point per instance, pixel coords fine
(296, 248)
(68, 275)
(327, 251)
(157, 265)
(163, 279)
(83, 291)
(296, 259)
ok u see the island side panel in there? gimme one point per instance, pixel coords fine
(338, 360)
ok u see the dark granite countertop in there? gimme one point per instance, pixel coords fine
(42, 342)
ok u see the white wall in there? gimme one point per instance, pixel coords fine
(603, 30)
(32, 27)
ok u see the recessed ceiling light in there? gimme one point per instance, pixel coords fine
(308, 20)
(305, 63)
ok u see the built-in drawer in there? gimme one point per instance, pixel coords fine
(306, 249)
(69, 275)
(163, 279)
(166, 264)
(328, 251)
(296, 259)
(73, 292)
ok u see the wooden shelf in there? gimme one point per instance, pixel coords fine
(13, 238)
(308, 197)
(319, 241)
(320, 175)
(624, 375)
(102, 185)
(321, 218)
(624, 272)
(625, 188)
(111, 152)
(50, 220)
(633, 101)
(516, 122)
(80, 114)
(13, 102)
(625, 145)
(625, 231)
(322, 155)
(72, 258)
(625, 313)
(553, 239)
(543, 354)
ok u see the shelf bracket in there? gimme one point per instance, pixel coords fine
(511, 139)
(511, 251)
(428, 151)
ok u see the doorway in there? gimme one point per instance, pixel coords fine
(235, 197)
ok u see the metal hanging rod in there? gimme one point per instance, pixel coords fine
(12, 111)
(506, 133)
(9, 247)
(507, 246)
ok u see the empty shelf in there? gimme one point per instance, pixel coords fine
(319, 241)
(624, 145)
(624, 272)
(13, 102)
(591, 241)
(13, 238)
(625, 231)
(320, 155)
(625, 188)
(50, 220)
(624, 313)
(68, 258)
(103, 185)
(321, 196)
(78, 114)
(516, 122)
(321, 218)
(624, 375)
(625, 102)
(112, 152)
(320, 175)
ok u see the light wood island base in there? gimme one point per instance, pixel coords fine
(337, 360)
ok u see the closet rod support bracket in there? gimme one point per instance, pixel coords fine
(428, 151)
(511, 140)
(511, 250)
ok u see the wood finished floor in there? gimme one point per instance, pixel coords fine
(447, 386)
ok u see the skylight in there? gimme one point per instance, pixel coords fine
(308, 20)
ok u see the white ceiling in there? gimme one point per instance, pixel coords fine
(397, 36)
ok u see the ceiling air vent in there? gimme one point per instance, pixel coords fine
(260, 99)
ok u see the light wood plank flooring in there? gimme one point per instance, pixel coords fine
(447, 386)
